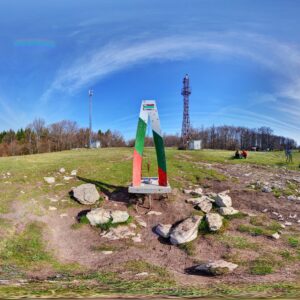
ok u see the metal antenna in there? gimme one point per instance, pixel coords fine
(185, 92)
(91, 93)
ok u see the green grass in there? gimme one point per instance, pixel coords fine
(189, 248)
(261, 267)
(110, 224)
(255, 230)
(293, 241)
(238, 242)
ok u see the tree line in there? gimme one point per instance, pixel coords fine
(38, 137)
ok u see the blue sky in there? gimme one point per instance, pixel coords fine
(243, 58)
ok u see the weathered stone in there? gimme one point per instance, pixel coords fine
(49, 180)
(214, 221)
(153, 212)
(223, 200)
(185, 231)
(86, 194)
(194, 201)
(227, 211)
(117, 233)
(205, 206)
(197, 191)
(98, 216)
(52, 208)
(163, 230)
(217, 267)
(137, 238)
(187, 191)
(74, 173)
(119, 216)
(62, 170)
(275, 236)
(266, 189)
(67, 178)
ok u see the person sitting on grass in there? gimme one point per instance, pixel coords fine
(244, 154)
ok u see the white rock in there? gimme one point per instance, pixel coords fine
(186, 191)
(141, 222)
(52, 208)
(98, 216)
(67, 178)
(197, 191)
(22, 192)
(185, 231)
(205, 206)
(143, 274)
(282, 225)
(227, 211)
(49, 180)
(223, 200)
(117, 233)
(163, 230)
(74, 173)
(86, 194)
(292, 198)
(218, 267)
(288, 223)
(62, 170)
(63, 215)
(265, 210)
(214, 221)
(298, 221)
(119, 216)
(266, 189)
(275, 236)
(137, 238)
(194, 201)
(153, 212)
(107, 252)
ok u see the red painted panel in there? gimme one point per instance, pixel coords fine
(137, 169)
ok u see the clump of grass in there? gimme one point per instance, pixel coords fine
(238, 242)
(239, 215)
(254, 230)
(138, 266)
(287, 255)
(261, 266)
(274, 226)
(203, 227)
(189, 248)
(259, 220)
(84, 220)
(293, 241)
(26, 249)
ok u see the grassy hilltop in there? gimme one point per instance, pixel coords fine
(41, 240)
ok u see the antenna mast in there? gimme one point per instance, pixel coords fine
(186, 91)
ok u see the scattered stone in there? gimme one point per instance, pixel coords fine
(266, 189)
(298, 221)
(185, 231)
(292, 198)
(275, 236)
(275, 213)
(67, 178)
(137, 238)
(186, 191)
(163, 230)
(205, 206)
(100, 216)
(86, 194)
(288, 223)
(63, 215)
(52, 208)
(107, 252)
(117, 233)
(22, 192)
(214, 221)
(153, 212)
(197, 191)
(282, 225)
(143, 274)
(265, 210)
(74, 173)
(194, 201)
(294, 216)
(62, 170)
(49, 180)
(223, 200)
(141, 222)
(227, 211)
(217, 267)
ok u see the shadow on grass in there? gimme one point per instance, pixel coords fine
(113, 192)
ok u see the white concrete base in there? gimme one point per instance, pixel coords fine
(150, 186)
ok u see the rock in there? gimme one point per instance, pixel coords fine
(288, 223)
(275, 236)
(153, 212)
(63, 215)
(52, 208)
(86, 194)
(186, 191)
(119, 216)
(107, 252)
(265, 210)
(227, 211)
(141, 222)
(197, 191)
(49, 180)
(266, 189)
(142, 274)
(62, 170)
(214, 221)
(137, 238)
(282, 226)
(292, 198)
(217, 267)
(117, 233)
(163, 230)
(185, 231)
(294, 216)
(194, 201)
(298, 221)
(74, 173)
(223, 200)
(98, 216)
(205, 206)
(67, 178)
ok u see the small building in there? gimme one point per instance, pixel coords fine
(195, 145)
(96, 145)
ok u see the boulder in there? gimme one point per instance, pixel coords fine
(217, 267)
(185, 231)
(205, 206)
(119, 216)
(86, 194)
(227, 211)
(98, 216)
(214, 221)
(223, 200)
(163, 230)
(49, 180)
